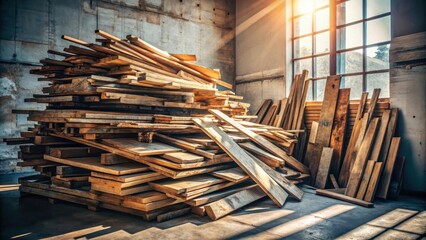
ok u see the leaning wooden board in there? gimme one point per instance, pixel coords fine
(225, 206)
(262, 142)
(93, 163)
(268, 185)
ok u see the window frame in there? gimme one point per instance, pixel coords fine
(333, 52)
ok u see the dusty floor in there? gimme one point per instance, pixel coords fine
(314, 218)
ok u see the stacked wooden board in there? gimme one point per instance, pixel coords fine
(351, 145)
(132, 128)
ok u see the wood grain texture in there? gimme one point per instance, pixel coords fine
(267, 145)
(382, 190)
(324, 167)
(361, 159)
(268, 185)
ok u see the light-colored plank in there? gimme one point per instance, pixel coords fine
(183, 157)
(93, 164)
(186, 184)
(271, 188)
(262, 142)
(324, 167)
(140, 148)
(313, 133)
(233, 202)
(231, 174)
(365, 179)
(361, 159)
(339, 194)
(325, 125)
(374, 180)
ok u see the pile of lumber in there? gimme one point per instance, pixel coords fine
(351, 147)
(132, 128)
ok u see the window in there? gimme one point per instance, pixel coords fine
(346, 37)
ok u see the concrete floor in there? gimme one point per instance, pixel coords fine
(315, 217)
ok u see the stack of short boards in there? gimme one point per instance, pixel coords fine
(135, 129)
(351, 148)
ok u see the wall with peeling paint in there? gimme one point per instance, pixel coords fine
(31, 27)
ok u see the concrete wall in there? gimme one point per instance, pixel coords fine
(30, 27)
(260, 50)
(408, 94)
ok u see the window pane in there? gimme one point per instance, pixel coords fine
(322, 42)
(319, 86)
(355, 84)
(377, 7)
(309, 95)
(322, 66)
(321, 3)
(322, 19)
(300, 65)
(349, 62)
(378, 57)
(303, 6)
(303, 25)
(303, 47)
(349, 11)
(349, 37)
(378, 80)
(378, 30)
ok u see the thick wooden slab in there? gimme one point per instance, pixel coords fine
(271, 188)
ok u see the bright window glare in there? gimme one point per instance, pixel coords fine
(304, 6)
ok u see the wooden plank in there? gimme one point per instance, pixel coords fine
(389, 134)
(265, 106)
(231, 174)
(373, 101)
(112, 159)
(183, 157)
(93, 164)
(347, 164)
(286, 184)
(334, 181)
(266, 157)
(176, 174)
(270, 147)
(214, 196)
(338, 133)
(384, 121)
(126, 178)
(374, 180)
(301, 107)
(140, 148)
(313, 133)
(339, 194)
(271, 188)
(361, 159)
(325, 125)
(185, 185)
(169, 164)
(382, 190)
(233, 202)
(324, 167)
(365, 179)
(173, 214)
(396, 179)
